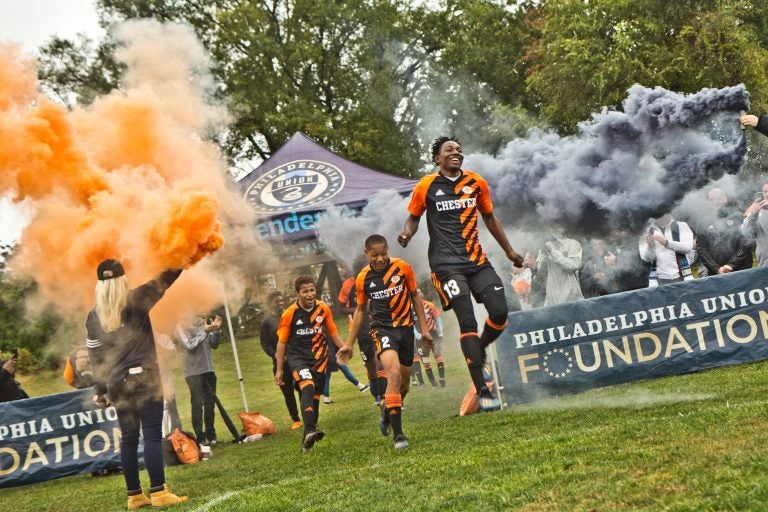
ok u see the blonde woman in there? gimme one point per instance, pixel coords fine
(122, 350)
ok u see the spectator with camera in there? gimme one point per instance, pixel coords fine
(10, 389)
(197, 342)
(668, 247)
(755, 225)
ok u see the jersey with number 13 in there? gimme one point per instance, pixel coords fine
(452, 208)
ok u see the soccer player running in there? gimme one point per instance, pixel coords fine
(301, 335)
(452, 197)
(389, 286)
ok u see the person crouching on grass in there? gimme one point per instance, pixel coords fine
(301, 336)
(389, 286)
(121, 345)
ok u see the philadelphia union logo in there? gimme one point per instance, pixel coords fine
(294, 185)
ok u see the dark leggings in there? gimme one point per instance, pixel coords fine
(138, 401)
(202, 394)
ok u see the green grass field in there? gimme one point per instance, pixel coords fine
(694, 442)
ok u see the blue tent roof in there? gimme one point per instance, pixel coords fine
(304, 176)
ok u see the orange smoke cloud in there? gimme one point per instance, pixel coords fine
(129, 177)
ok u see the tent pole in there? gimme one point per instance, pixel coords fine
(496, 382)
(234, 351)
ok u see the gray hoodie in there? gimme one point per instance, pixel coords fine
(197, 345)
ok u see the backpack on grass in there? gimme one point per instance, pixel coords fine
(184, 446)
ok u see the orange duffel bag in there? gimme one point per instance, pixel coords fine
(256, 423)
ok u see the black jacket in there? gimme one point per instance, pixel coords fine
(133, 343)
(762, 125)
(720, 242)
(10, 390)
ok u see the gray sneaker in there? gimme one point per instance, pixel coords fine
(488, 402)
(401, 443)
(310, 439)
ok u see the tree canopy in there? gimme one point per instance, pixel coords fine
(375, 79)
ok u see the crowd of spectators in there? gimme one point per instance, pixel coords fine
(718, 239)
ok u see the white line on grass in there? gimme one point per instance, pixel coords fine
(230, 494)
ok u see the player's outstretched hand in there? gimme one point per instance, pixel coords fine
(343, 354)
(515, 258)
(427, 341)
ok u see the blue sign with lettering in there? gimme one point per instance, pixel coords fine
(54, 436)
(643, 334)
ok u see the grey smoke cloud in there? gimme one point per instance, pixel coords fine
(622, 168)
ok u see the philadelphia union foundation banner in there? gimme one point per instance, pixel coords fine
(643, 334)
(54, 436)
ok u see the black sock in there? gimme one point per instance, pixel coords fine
(430, 375)
(394, 405)
(372, 387)
(474, 354)
(417, 372)
(308, 408)
(441, 369)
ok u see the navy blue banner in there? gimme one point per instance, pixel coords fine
(643, 334)
(54, 436)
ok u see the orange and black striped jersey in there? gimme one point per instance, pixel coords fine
(430, 313)
(452, 208)
(348, 297)
(305, 334)
(387, 293)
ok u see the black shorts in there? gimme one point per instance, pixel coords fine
(303, 375)
(367, 345)
(399, 339)
(451, 284)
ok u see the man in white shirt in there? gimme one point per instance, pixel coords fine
(668, 246)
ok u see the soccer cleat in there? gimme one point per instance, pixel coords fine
(296, 425)
(384, 422)
(165, 497)
(327, 401)
(213, 442)
(137, 501)
(401, 443)
(488, 402)
(442, 383)
(310, 439)
(363, 387)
